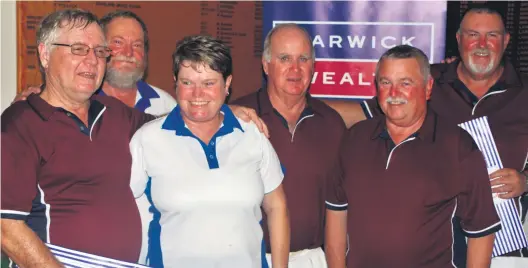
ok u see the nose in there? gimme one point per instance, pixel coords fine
(90, 58)
(393, 91)
(295, 65)
(482, 42)
(197, 92)
(128, 50)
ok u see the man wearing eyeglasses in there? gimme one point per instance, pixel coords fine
(66, 171)
(65, 156)
(128, 39)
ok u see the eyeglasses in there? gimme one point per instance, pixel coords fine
(82, 50)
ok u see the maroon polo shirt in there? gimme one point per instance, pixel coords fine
(71, 182)
(402, 198)
(505, 105)
(307, 157)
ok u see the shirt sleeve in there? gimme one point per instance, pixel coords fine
(270, 167)
(336, 198)
(371, 108)
(20, 161)
(138, 174)
(475, 205)
(137, 119)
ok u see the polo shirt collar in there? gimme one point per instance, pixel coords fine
(174, 121)
(145, 93)
(41, 107)
(264, 105)
(45, 110)
(510, 78)
(426, 132)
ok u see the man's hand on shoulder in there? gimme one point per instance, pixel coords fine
(449, 60)
(22, 96)
(248, 114)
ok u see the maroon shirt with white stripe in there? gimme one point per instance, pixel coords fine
(70, 182)
(402, 198)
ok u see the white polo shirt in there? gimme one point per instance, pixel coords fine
(151, 100)
(208, 195)
(154, 101)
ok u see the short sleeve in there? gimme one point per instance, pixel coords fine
(270, 167)
(371, 108)
(20, 162)
(475, 205)
(336, 198)
(137, 119)
(138, 174)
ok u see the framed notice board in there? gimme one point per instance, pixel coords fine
(239, 24)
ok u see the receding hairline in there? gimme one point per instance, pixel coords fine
(291, 27)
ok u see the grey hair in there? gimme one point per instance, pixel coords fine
(267, 42)
(48, 29)
(481, 10)
(407, 52)
(201, 49)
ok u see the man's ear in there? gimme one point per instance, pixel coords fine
(429, 87)
(265, 66)
(506, 40)
(43, 54)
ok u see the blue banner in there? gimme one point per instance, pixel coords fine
(350, 37)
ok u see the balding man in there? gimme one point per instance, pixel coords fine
(304, 131)
(483, 82)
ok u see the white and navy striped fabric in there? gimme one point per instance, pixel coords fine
(76, 259)
(511, 237)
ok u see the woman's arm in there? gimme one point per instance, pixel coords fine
(279, 226)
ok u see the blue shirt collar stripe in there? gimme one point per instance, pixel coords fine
(145, 91)
(174, 121)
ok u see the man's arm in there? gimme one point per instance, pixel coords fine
(279, 226)
(479, 251)
(22, 95)
(23, 246)
(475, 207)
(336, 211)
(20, 161)
(336, 238)
(248, 114)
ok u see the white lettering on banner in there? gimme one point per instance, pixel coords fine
(358, 41)
(335, 39)
(355, 41)
(345, 78)
(327, 78)
(407, 41)
(318, 41)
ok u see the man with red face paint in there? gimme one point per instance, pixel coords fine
(481, 83)
(389, 168)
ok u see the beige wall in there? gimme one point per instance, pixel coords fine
(8, 53)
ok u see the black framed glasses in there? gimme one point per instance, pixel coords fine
(82, 50)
